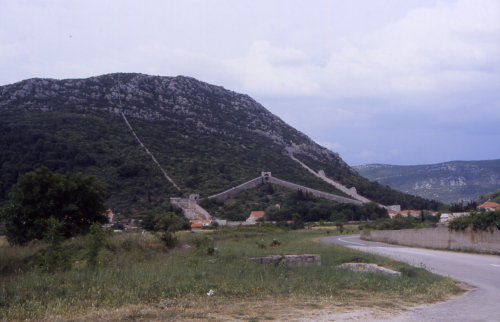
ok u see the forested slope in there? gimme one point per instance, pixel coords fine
(207, 139)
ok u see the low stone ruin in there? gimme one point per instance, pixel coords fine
(362, 267)
(290, 259)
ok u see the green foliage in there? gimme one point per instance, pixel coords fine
(275, 243)
(54, 257)
(118, 226)
(492, 196)
(165, 218)
(133, 273)
(261, 245)
(297, 222)
(168, 239)
(98, 239)
(398, 222)
(204, 245)
(169, 221)
(269, 189)
(165, 224)
(312, 209)
(340, 226)
(478, 220)
(97, 143)
(460, 223)
(72, 199)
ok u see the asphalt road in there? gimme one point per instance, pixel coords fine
(478, 270)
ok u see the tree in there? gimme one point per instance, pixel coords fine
(98, 240)
(269, 188)
(297, 222)
(168, 223)
(72, 199)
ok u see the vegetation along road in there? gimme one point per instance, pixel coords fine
(478, 270)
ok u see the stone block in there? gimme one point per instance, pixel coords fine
(290, 259)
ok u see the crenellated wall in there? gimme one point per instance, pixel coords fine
(236, 190)
(193, 210)
(266, 177)
(314, 192)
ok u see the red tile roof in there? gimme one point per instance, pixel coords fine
(489, 204)
(200, 221)
(257, 213)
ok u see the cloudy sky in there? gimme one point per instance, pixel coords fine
(385, 81)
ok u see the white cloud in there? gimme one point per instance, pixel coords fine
(442, 49)
(271, 70)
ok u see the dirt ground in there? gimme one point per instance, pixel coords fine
(253, 310)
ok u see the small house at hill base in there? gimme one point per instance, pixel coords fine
(404, 213)
(199, 223)
(254, 215)
(489, 206)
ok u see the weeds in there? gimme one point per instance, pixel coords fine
(133, 270)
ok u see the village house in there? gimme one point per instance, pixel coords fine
(110, 215)
(489, 206)
(254, 215)
(200, 223)
(404, 213)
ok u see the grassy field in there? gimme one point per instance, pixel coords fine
(137, 278)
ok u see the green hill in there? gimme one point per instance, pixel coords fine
(206, 138)
(492, 196)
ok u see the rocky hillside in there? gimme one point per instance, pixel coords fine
(447, 182)
(206, 138)
(185, 101)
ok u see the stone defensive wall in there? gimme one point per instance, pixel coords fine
(487, 241)
(255, 182)
(315, 193)
(236, 190)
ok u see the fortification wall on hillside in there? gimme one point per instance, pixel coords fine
(255, 182)
(236, 190)
(314, 192)
(321, 174)
(193, 210)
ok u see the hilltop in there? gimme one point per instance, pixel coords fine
(205, 138)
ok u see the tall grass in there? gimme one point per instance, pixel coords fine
(136, 269)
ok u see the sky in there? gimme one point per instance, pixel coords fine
(378, 81)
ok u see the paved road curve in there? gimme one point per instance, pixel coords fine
(481, 271)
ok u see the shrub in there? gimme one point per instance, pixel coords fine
(275, 243)
(55, 256)
(204, 245)
(479, 221)
(98, 237)
(168, 239)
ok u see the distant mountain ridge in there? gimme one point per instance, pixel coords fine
(206, 138)
(447, 182)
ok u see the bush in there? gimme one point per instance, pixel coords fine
(204, 245)
(479, 221)
(460, 223)
(72, 199)
(98, 237)
(168, 239)
(275, 243)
